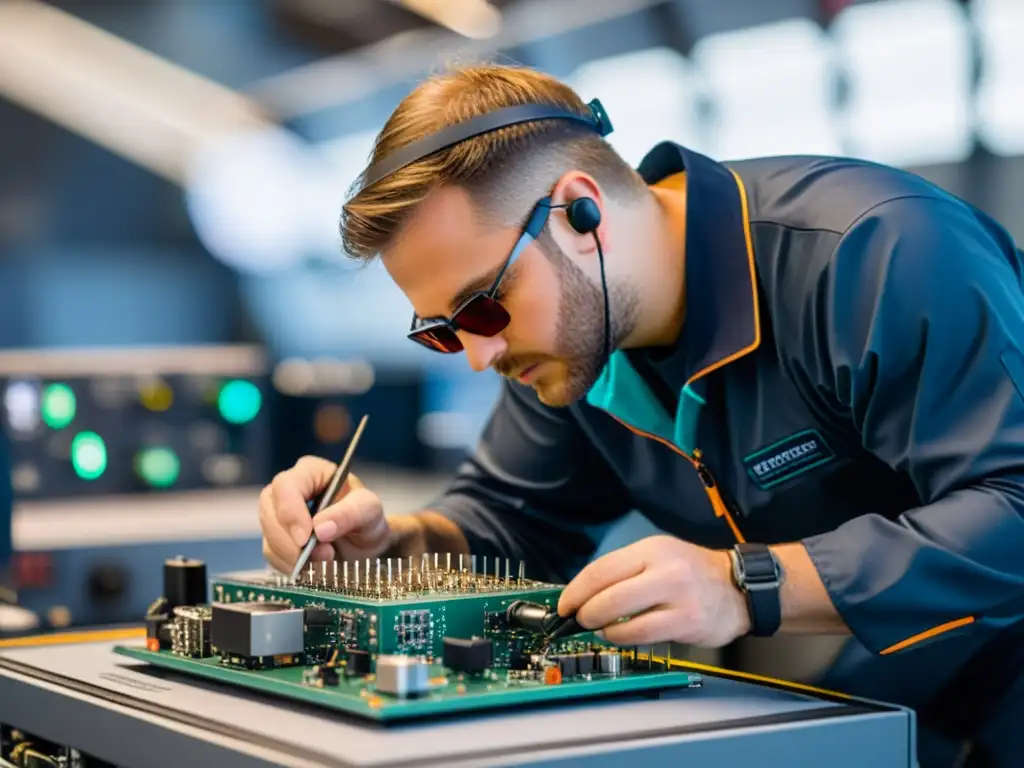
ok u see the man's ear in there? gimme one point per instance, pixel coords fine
(572, 186)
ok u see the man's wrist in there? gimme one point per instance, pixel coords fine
(758, 576)
(735, 603)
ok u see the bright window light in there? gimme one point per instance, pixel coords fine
(342, 160)
(773, 88)
(908, 64)
(1000, 99)
(246, 196)
(651, 96)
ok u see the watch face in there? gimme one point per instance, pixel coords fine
(755, 567)
(737, 567)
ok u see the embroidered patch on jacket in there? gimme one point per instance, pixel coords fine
(787, 458)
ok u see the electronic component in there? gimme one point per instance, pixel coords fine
(542, 620)
(326, 675)
(158, 632)
(190, 631)
(609, 662)
(584, 663)
(471, 655)
(567, 663)
(317, 617)
(258, 629)
(357, 662)
(402, 676)
(184, 582)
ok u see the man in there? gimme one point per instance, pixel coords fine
(815, 360)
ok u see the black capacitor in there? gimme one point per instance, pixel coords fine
(472, 655)
(327, 675)
(317, 617)
(584, 663)
(357, 662)
(184, 582)
(567, 664)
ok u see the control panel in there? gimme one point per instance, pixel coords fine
(146, 420)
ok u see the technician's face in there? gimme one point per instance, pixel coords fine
(554, 341)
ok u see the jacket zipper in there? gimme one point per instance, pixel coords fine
(718, 503)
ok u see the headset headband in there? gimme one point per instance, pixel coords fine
(454, 134)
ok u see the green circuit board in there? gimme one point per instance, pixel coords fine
(397, 615)
(452, 696)
(376, 640)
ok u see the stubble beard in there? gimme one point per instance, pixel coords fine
(579, 335)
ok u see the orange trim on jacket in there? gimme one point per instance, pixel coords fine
(928, 633)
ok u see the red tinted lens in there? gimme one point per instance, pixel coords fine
(439, 338)
(482, 316)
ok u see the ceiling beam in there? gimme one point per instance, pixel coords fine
(135, 104)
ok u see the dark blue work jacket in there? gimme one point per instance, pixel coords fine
(849, 375)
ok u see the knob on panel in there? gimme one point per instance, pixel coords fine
(107, 582)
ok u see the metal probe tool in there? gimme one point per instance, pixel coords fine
(328, 497)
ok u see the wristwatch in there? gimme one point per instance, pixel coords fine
(759, 577)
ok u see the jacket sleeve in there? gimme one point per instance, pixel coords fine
(912, 332)
(534, 489)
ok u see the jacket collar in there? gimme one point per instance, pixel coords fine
(722, 321)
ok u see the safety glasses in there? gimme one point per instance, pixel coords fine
(480, 314)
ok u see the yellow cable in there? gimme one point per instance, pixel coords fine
(64, 638)
(697, 667)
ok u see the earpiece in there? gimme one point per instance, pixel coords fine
(583, 215)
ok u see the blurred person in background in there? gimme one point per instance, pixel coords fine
(807, 371)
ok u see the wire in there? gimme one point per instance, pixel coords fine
(607, 310)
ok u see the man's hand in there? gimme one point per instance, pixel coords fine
(353, 527)
(656, 590)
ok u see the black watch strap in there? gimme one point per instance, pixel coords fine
(759, 578)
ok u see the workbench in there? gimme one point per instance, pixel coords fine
(77, 692)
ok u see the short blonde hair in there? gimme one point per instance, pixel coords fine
(505, 170)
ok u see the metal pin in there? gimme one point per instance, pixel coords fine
(485, 566)
(389, 571)
(460, 564)
(378, 573)
(508, 570)
(435, 561)
(522, 570)
(472, 564)
(448, 561)
(323, 573)
(310, 574)
(423, 563)
(344, 570)
(357, 574)
(366, 573)
(497, 569)
(399, 570)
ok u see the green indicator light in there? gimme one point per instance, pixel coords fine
(239, 401)
(57, 406)
(88, 455)
(159, 467)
